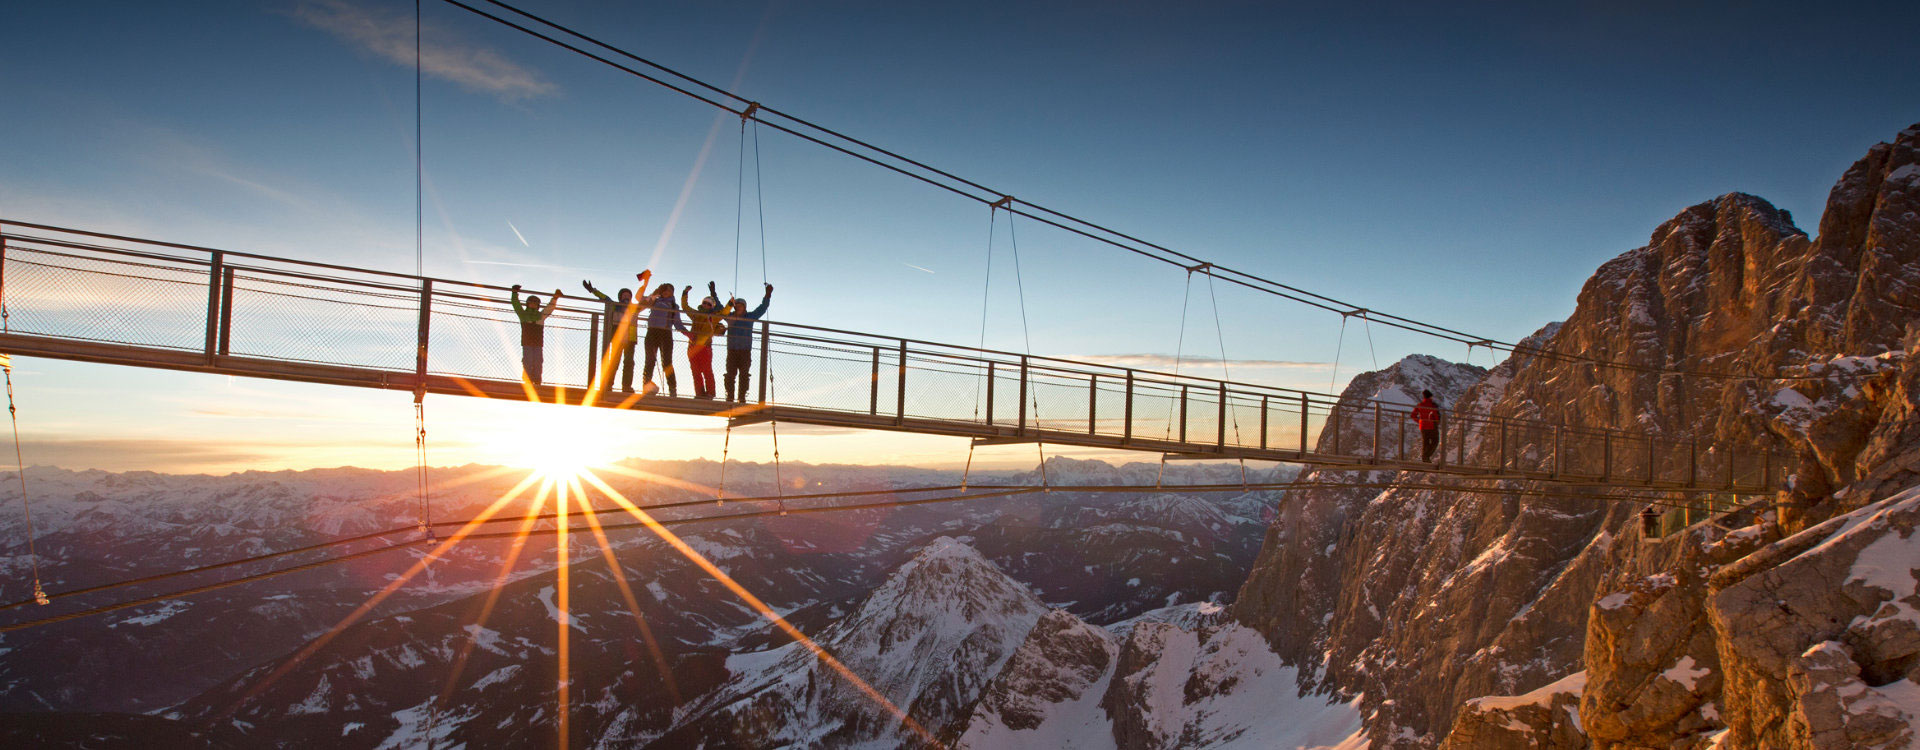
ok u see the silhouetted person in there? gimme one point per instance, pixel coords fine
(1427, 415)
(618, 338)
(663, 318)
(740, 342)
(533, 332)
(706, 325)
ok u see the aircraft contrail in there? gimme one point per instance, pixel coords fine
(916, 268)
(516, 233)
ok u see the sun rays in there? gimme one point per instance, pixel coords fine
(564, 456)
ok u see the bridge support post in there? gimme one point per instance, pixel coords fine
(1503, 443)
(992, 375)
(1606, 456)
(766, 362)
(593, 351)
(900, 398)
(420, 347)
(216, 268)
(1693, 462)
(1766, 469)
(1304, 404)
(1263, 422)
(1651, 474)
(873, 386)
(1093, 402)
(226, 311)
(1731, 457)
(1126, 429)
(1023, 394)
(1376, 432)
(1221, 443)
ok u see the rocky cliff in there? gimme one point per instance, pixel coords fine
(1449, 611)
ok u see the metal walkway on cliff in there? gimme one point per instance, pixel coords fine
(87, 296)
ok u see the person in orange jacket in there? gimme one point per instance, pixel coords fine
(707, 324)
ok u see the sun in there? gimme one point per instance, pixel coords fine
(566, 444)
(557, 460)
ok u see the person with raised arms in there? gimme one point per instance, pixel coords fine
(533, 332)
(739, 328)
(618, 337)
(663, 318)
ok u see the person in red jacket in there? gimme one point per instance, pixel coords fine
(1427, 415)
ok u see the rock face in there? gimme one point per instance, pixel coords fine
(1820, 634)
(1545, 719)
(1655, 677)
(1423, 600)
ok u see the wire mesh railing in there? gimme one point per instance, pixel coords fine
(241, 307)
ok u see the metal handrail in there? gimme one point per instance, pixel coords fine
(1224, 396)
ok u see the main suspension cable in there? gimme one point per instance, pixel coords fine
(945, 180)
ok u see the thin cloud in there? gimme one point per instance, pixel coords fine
(391, 36)
(168, 455)
(1168, 361)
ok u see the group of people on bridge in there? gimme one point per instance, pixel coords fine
(710, 319)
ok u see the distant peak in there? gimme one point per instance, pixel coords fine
(946, 546)
(1702, 221)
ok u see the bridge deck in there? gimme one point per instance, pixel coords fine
(84, 296)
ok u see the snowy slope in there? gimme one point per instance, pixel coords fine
(927, 639)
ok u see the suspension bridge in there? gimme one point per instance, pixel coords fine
(88, 296)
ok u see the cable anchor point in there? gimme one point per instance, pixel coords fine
(750, 111)
(1006, 202)
(40, 595)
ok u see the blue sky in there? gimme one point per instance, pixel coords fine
(1469, 165)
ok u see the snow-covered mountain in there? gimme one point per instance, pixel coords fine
(814, 569)
(926, 641)
(1169, 680)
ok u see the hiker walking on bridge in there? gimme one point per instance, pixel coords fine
(706, 325)
(533, 332)
(739, 329)
(617, 340)
(663, 318)
(1427, 415)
